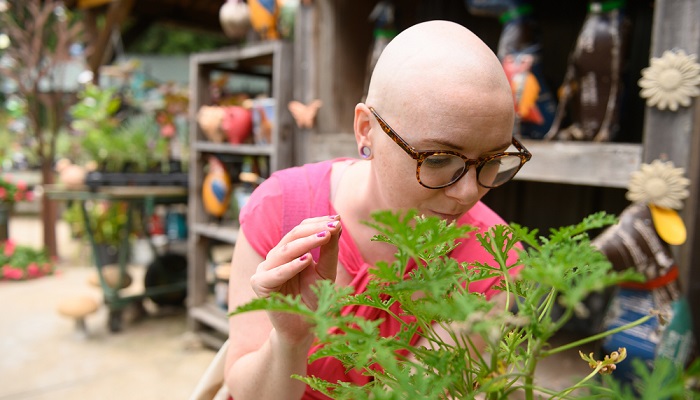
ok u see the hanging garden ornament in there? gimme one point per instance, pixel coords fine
(671, 80)
(663, 188)
(234, 17)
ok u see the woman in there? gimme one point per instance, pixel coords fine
(438, 116)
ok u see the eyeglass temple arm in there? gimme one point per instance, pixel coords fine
(398, 139)
(520, 147)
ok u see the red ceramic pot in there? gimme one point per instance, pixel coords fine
(237, 124)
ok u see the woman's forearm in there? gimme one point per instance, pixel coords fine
(266, 373)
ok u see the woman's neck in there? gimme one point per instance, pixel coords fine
(354, 201)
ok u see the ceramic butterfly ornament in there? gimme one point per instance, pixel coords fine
(304, 114)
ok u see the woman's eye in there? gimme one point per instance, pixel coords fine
(438, 161)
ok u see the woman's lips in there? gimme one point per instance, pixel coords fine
(448, 217)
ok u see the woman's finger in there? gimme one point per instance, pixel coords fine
(307, 237)
(306, 227)
(327, 265)
(266, 281)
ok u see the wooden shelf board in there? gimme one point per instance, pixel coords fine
(581, 163)
(263, 51)
(211, 315)
(214, 231)
(242, 149)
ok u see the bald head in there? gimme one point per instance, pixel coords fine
(433, 62)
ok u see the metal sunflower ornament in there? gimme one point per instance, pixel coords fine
(671, 80)
(663, 188)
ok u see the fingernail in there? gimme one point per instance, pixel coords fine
(332, 224)
(321, 234)
(333, 216)
(304, 257)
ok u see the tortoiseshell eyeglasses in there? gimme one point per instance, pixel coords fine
(436, 169)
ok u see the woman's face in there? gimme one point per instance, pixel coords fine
(474, 129)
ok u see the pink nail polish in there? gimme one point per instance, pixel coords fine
(333, 224)
(333, 216)
(321, 234)
(304, 257)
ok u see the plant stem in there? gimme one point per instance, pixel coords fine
(579, 383)
(596, 337)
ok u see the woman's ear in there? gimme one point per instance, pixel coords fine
(363, 126)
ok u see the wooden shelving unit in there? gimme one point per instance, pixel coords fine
(272, 60)
(581, 163)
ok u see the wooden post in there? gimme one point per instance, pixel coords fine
(116, 14)
(675, 136)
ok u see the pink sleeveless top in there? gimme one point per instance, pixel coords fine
(291, 195)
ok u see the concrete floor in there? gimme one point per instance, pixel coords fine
(44, 356)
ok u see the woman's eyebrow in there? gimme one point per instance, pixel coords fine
(447, 143)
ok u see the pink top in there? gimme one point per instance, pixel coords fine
(262, 219)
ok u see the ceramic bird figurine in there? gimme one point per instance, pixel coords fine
(641, 240)
(592, 88)
(263, 18)
(216, 188)
(519, 49)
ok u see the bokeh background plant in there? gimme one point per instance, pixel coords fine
(19, 262)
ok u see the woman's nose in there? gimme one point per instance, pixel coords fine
(466, 188)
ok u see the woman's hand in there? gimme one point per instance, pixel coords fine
(289, 269)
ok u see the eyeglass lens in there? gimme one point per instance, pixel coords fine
(440, 170)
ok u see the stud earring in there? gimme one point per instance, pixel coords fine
(365, 152)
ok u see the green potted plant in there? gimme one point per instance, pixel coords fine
(106, 220)
(127, 146)
(562, 268)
